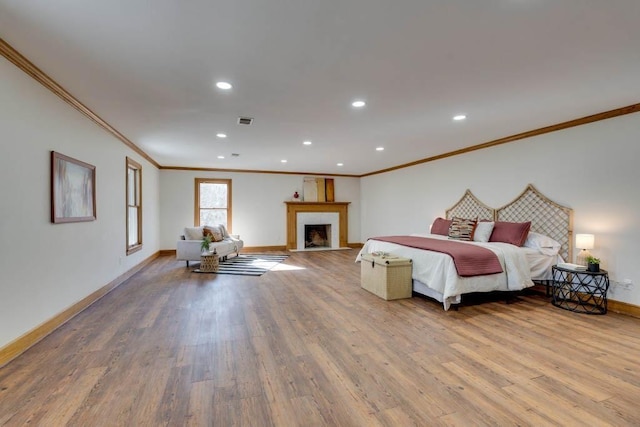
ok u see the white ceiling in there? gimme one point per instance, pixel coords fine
(149, 67)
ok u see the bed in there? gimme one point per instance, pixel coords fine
(548, 241)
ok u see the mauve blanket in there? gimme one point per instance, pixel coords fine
(470, 260)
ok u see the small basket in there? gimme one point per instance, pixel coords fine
(209, 263)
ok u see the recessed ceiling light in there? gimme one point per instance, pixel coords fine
(340, 164)
(358, 104)
(307, 142)
(283, 161)
(379, 148)
(221, 157)
(221, 135)
(459, 117)
(224, 85)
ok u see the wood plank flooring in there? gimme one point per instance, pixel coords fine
(304, 345)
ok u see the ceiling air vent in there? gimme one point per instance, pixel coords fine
(245, 120)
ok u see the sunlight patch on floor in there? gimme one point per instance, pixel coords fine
(286, 267)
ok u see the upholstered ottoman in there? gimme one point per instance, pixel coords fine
(386, 276)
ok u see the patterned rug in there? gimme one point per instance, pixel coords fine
(249, 264)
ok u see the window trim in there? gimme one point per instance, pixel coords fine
(196, 211)
(132, 164)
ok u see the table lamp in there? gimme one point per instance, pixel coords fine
(584, 242)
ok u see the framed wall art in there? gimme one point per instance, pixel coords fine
(73, 189)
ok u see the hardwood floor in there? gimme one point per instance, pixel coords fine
(306, 346)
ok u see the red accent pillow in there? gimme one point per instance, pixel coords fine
(441, 226)
(510, 232)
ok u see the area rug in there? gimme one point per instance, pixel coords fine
(249, 264)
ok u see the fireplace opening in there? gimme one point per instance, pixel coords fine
(317, 236)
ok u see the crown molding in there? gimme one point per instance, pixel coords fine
(25, 65)
(41, 77)
(629, 109)
(182, 168)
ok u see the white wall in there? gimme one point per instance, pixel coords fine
(45, 268)
(591, 168)
(258, 208)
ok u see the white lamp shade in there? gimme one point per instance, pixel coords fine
(584, 241)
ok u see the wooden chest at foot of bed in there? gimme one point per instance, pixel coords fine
(388, 276)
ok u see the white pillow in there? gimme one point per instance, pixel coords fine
(483, 231)
(544, 244)
(223, 229)
(193, 233)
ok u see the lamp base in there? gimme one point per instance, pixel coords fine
(581, 259)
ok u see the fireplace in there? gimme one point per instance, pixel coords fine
(300, 214)
(318, 230)
(317, 236)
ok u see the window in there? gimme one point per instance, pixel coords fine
(213, 202)
(134, 206)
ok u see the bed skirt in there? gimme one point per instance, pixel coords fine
(423, 289)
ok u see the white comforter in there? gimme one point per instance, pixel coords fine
(438, 272)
